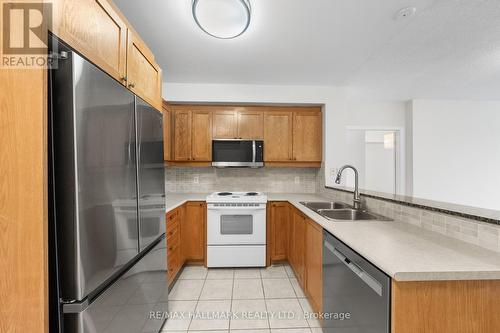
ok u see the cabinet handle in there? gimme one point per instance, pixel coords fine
(131, 85)
(123, 78)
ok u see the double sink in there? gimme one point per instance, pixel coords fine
(340, 211)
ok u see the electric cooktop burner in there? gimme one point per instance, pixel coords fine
(224, 193)
(252, 193)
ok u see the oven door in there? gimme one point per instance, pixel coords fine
(236, 225)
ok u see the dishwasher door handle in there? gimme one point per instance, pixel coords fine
(361, 273)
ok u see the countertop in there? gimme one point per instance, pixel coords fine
(403, 251)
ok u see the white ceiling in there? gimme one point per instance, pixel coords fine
(449, 49)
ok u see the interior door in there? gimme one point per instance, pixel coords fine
(150, 173)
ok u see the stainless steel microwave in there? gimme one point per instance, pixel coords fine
(238, 153)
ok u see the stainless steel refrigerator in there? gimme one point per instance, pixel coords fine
(107, 250)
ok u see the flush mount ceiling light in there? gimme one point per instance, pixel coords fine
(224, 19)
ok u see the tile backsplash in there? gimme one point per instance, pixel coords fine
(310, 180)
(485, 235)
(205, 180)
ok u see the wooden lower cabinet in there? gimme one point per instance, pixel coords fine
(278, 230)
(175, 259)
(313, 284)
(445, 306)
(193, 231)
(185, 236)
(296, 244)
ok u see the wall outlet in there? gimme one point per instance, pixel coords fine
(196, 180)
(297, 180)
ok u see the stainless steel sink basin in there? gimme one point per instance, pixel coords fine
(350, 215)
(317, 205)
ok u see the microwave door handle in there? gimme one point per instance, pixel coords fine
(253, 152)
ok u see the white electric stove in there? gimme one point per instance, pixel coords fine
(236, 229)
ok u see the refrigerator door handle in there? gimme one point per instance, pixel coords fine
(74, 306)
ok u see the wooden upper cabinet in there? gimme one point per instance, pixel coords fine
(192, 132)
(167, 131)
(182, 135)
(250, 124)
(95, 29)
(307, 136)
(143, 74)
(278, 136)
(201, 132)
(225, 124)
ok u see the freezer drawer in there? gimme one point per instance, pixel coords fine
(355, 293)
(135, 303)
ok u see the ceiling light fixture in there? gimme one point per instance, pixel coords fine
(224, 19)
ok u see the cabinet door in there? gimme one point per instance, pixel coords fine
(201, 131)
(182, 135)
(167, 131)
(143, 74)
(193, 230)
(299, 245)
(278, 136)
(250, 124)
(307, 136)
(279, 230)
(225, 125)
(313, 264)
(95, 29)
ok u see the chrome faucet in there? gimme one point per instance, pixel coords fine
(357, 199)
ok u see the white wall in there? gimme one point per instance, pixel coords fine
(340, 110)
(456, 152)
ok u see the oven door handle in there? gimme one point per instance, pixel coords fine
(226, 209)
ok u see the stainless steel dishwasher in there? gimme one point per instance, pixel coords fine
(356, 294)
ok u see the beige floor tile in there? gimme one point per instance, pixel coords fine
(248, 289)
(309, 313)
(247, 273)
(181, 314)
(278, 288)
(185, 290)
(217, 289)
(296, 287)
(251, 331)
(220, 273)
(273, 272)
(249, 314)
(211, 315)
(316, 330)
(193, 273)
(289, 271)
(285, 313)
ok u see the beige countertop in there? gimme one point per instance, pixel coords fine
(402, 251)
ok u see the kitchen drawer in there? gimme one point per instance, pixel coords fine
(173, 263)
(173, 215)
(172, 228)
(173, 242)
